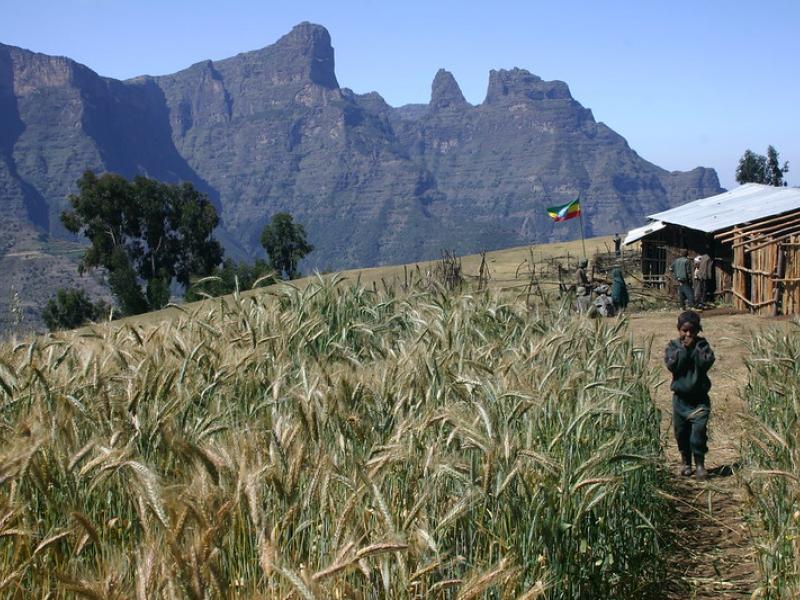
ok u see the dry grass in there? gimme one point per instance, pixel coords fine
(508, 269)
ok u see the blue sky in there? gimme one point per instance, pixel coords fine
(686, 83)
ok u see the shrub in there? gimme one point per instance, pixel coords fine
(70, 308)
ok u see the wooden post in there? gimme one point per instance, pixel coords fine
(583, 241)
(737, 283)
(779, 268)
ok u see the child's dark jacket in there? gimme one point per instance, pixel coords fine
(689, 369)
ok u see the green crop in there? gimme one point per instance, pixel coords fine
(772, 451)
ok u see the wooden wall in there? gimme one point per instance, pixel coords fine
(791, 276)
(662, 247)
(756, 265)
(766, 265)
(767, 279)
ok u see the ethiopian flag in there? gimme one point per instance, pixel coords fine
(562, 213)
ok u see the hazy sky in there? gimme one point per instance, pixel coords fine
(687, 83)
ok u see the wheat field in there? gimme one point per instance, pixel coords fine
(772, 452)
(333, 441)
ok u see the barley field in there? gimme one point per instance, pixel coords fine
(772, 451)
(334, 441)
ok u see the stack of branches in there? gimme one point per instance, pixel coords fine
(628, 260)
(483, 276)
(445, 274)
(448, 272)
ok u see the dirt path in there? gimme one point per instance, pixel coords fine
(714, 557)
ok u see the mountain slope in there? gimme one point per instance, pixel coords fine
(272, 130)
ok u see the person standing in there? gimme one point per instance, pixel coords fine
(617, 245)
(696, 285)
(581, 278)
(583, 291)
(688, 358)
(583, 288)
(682, 271)
(705, 273)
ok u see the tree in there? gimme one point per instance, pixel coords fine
(145, 233)
(774, 171)
(285, 243)
(752, 168)
(757, 168)
(70, 308)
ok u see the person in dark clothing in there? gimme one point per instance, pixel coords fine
(617, 244)
(688, 358)
(619, 291)
(683, 271)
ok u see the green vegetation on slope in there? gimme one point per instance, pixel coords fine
(333, 442)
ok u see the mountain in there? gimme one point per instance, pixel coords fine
(271, 130)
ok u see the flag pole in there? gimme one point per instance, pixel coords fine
(583, 240)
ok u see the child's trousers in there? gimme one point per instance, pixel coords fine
(690, 422)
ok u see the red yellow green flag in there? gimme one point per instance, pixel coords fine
(568, 211)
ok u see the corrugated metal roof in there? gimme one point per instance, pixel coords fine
(749, 202)
(640, 232)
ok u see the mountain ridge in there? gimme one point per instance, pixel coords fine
(271, 130)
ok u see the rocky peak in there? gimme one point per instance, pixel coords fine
(270, 130)
(31, 71)
(519, 84)
(307, 50)
(445, 92)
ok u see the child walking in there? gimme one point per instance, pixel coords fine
(689, 358)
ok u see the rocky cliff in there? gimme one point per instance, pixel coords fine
(272, 130)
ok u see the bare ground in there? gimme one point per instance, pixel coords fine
(714, 555)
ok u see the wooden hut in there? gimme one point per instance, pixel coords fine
(752, 234)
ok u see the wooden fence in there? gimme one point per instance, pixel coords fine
(766, 265)
(791, 276)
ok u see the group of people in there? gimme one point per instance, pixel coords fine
(608, 300)
(688, 357)
(694, 278)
